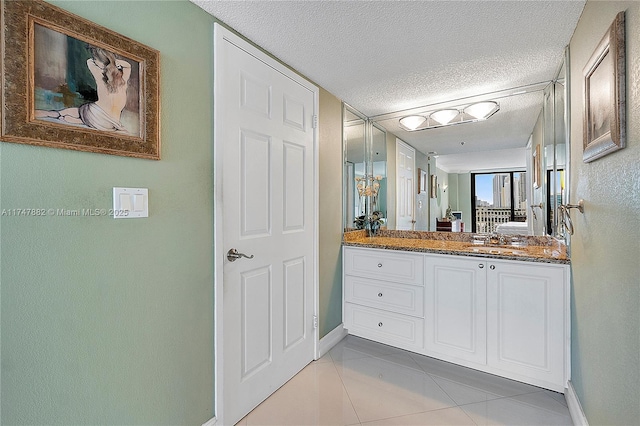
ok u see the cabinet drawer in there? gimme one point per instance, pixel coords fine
(401, 298)
(400, 267)
(386, 327)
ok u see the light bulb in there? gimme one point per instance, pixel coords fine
(444, 116)
(482, 110)
(412, 122)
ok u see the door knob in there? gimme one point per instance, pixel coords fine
(233, 255)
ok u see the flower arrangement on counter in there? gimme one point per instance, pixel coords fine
(372, 223)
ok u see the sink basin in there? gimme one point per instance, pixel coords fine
(497, 250)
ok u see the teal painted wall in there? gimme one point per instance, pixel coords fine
(111, 321)
(605, 248)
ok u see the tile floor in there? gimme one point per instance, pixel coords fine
(360, 382)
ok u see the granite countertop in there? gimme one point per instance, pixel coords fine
(533, 249)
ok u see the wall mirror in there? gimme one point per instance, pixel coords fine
(365, 170)
(494, 178)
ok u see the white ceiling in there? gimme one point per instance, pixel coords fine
(386, 56)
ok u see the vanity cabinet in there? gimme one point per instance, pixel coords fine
(384, 296)
(505, 317)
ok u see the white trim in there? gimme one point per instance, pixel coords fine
(220, 35)
(218, 248)
(211, 422)
(575, 408)
(331, 339)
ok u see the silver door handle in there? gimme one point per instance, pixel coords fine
(233, 255)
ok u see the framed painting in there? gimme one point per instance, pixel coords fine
(434, 186)
(604, 95)
(536, 167)
(422, 181)
(69, 83)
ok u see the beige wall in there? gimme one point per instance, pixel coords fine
(606, 245)
(330, 263)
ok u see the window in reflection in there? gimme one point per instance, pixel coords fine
(499, 199)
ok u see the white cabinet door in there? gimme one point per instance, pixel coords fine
(455, 308)
(526, 321)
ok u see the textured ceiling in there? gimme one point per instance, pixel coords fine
(386, 56)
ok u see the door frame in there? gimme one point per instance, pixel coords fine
(223, 35)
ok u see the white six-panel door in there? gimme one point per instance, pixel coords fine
(405, 185)
(266, 199)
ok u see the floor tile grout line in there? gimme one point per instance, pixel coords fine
(420, 412)
(344, 387)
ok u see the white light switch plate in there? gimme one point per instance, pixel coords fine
(130, 203)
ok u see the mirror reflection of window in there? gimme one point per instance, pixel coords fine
(499, 202)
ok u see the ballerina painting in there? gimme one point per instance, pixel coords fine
(82, 85)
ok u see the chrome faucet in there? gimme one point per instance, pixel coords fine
(495, 239)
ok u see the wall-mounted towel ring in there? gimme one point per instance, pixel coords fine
(565, 216)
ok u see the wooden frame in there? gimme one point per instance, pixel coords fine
(422, 181)
(69, 83)
(604, 95)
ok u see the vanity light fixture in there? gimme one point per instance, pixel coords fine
(412, 122)
(478, 111)
(482, 110)
(444, 116)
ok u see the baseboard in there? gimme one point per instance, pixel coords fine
(212, 421)
(575, 408)
(331, 339)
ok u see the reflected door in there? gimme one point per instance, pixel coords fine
(405, 185)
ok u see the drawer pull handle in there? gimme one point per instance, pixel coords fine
(379, 294)
(379, 265)
(481, 266)
(492, 267)
(379, 324)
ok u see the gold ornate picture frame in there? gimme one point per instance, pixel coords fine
(69, 83)
(604, 95)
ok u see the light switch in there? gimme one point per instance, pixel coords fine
(125, 201)
(130, 203)
(138, 202)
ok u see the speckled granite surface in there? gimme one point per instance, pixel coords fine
(536, 249)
